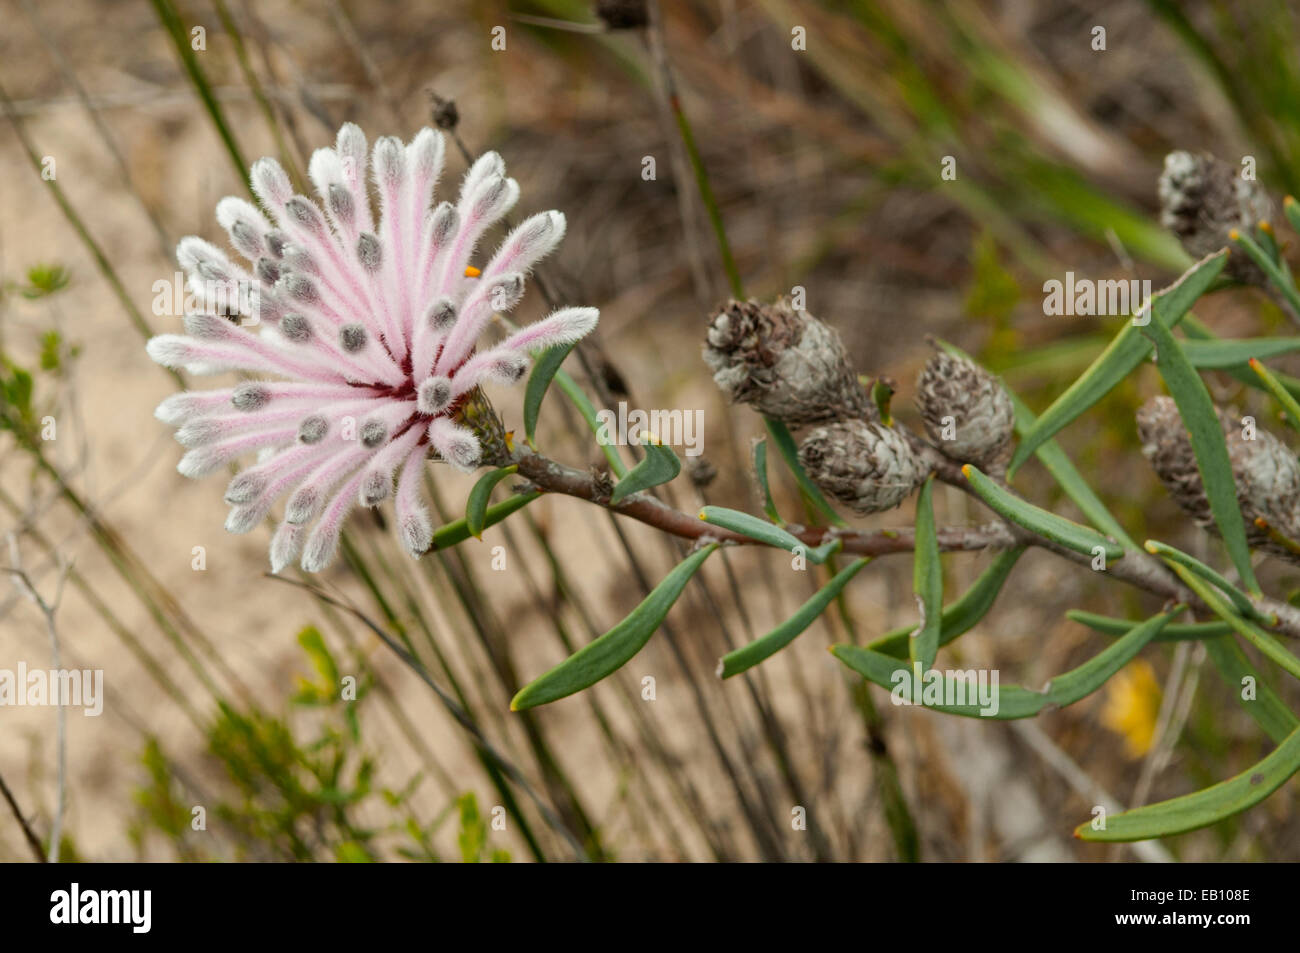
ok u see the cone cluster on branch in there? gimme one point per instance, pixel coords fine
(1202, 199)
(785, 364)
(1266, 473)
(788, 365)
(865, 465)
(967, 412)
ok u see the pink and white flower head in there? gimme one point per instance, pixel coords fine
(369, 325)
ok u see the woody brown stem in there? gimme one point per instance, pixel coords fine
(1137, 569)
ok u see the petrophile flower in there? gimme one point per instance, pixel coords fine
(866, 465)
(1265, 471)
(967, 412)
(358, 330)
(785, 363)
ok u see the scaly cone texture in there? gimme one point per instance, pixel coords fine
(865, 465)
(1202, 199)
(785, 364)
(983, 418)
(1266, 473)
(369, 318)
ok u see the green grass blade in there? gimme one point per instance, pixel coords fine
(616, 647)
(1011, 701)
(476, 505)
(180, 38)
(927, 580)
(1058, 529)
(1206, 433)
(659, 465)
(1205, 807)
(742, 659)
(539, 382)
(962, 616)
(1125, 352)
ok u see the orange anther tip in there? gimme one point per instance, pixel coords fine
(472, 272)
(1234, 234)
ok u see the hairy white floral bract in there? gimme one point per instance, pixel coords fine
(370, 325)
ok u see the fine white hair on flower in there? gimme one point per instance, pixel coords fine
(367, 321)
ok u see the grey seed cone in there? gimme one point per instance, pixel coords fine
(865, 465)
(785, 364)
(1202, 199)
(1265, 471)
(983, 418)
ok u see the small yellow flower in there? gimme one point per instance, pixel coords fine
(1132, 706)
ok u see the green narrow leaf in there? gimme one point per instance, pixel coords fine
(1240, 601)
(962, 616)
(733, 663)
(1205, 807)
(1203, 427)
(658, 466)
(1173, 632)
(927, 580)
(765, 532)
(1058, 529)
(578, 397)
(760, 472)
(1292, 212)
(539, 382)
(1284, 397)
(1061, 468)
(1197, 332)
(1280, 279)
(1265, 706)
(616, 647)
(1221, 353)
(457, 532)
(1270, 647)
(785, 445)
(1011, 701)
(476, 505)
(1124, 353)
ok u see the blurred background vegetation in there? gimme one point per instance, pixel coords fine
(826, 163)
